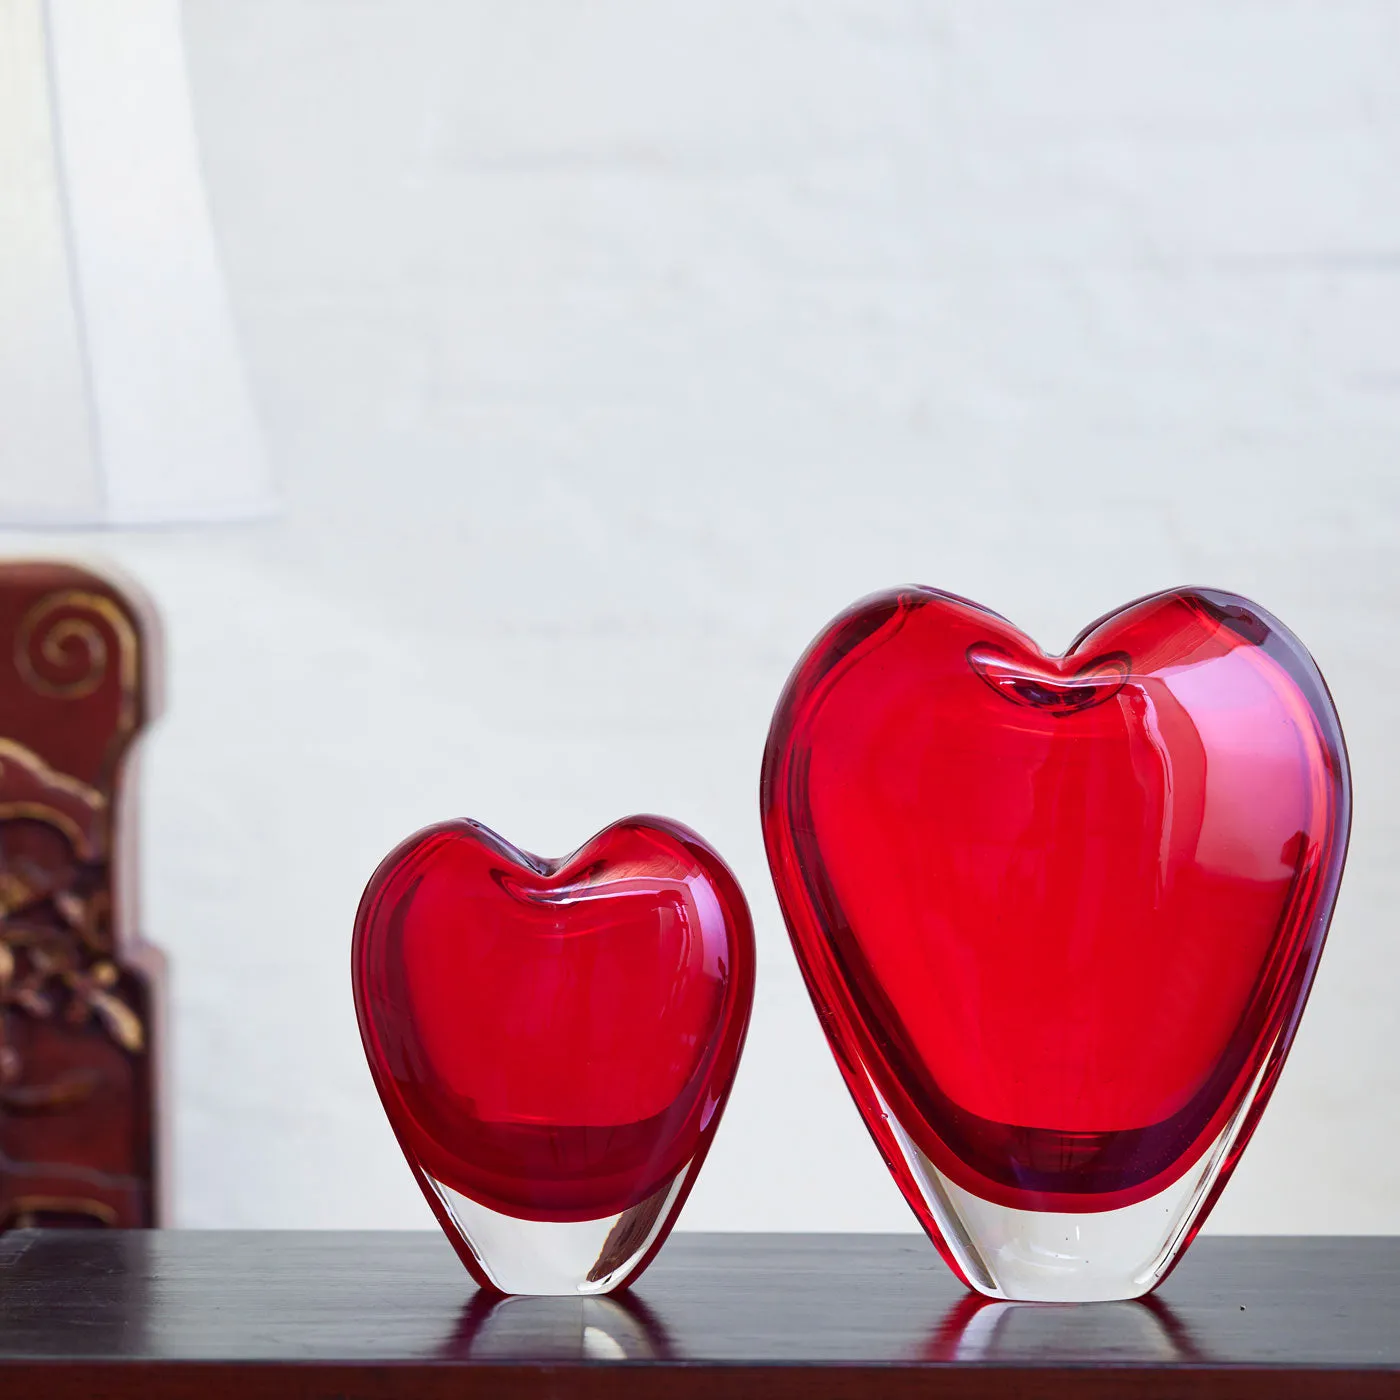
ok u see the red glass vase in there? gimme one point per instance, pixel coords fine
(1058, 914)
(554, 1041)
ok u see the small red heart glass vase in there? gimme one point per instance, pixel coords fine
(554, 1040)
(1058, 914)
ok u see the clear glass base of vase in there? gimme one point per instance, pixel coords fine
(1044, 1256)
(559, 1258)
(1035, 1256)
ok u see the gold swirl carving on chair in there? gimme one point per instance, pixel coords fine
(64, 644)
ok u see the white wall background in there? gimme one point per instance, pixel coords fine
(606, 350)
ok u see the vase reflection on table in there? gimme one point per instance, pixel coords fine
(578, 1328)
(1059, 915)
(982, 1330)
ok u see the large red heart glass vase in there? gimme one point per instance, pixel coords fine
(554, 1040)
(1058, 914)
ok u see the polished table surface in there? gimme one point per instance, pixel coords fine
(270, 1313)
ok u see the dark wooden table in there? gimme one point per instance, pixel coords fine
(271, 1314)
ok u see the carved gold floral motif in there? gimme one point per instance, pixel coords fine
(55, 920)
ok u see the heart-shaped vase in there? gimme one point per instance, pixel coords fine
(554, 1041)
(1058, 914)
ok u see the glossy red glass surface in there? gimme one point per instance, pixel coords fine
(555, 1040)
(1060, 913)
